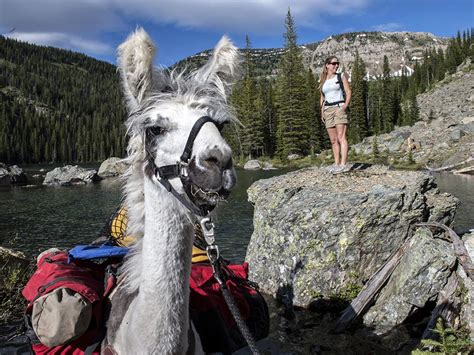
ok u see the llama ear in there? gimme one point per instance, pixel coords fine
(135, 64)
(222, 68)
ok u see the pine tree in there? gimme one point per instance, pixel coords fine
(292, 132)
(265, 92)
(359, 128)
(314, 123)
(243, 101)
(387, 98)
(373, 107)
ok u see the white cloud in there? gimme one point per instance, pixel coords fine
(388, 27)
(63, 40)
(89, 17)
(78, 24)
(257, 16)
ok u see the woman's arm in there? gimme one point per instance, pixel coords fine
(348, 91)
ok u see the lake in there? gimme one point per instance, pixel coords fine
(38, 217)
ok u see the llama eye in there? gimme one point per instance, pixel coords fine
(155, 130)
(220, 126)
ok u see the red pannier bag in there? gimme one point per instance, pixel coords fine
(85, 283)
(211, 315)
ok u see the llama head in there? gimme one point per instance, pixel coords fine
(163, 108)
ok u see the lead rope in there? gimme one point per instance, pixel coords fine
(213, 254)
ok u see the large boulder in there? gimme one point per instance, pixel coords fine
(419, 277)
(11, 175)
(318, 235)
(70, 175)
(252, 165)
(468, 287)
(112, 167)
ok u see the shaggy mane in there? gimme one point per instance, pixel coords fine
(205, 90)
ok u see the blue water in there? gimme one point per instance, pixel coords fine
(38, 217)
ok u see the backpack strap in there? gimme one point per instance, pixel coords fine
(341, 85)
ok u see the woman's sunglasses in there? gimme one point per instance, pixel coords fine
(334, 63)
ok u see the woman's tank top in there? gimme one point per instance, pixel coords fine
(332, 91)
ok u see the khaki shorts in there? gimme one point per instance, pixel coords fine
(334, 115)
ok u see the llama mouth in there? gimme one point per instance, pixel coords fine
(208, 199)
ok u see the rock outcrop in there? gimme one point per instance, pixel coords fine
(322, 236)
(11, 175)
(419, 277)
(112, 167)
(468, 308)
(445, 133)
(70, 175)
(252, 165)
(401, 48)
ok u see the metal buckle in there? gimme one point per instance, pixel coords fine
(207, 230)
(182, 168)
(212, 253)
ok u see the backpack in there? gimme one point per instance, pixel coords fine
(207, 306)
(73, 289)
(65, 311)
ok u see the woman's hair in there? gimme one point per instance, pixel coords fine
(324, 72)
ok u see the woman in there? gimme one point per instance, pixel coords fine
(334, 111)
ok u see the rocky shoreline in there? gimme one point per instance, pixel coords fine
(319, 238)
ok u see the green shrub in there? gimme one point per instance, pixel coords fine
(449, 342)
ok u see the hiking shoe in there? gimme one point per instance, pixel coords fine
(330, 169)
(341, 169)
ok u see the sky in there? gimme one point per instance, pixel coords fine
(181, 28)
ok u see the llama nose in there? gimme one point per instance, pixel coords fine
(216, 158)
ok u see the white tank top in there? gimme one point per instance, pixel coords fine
(332, 91)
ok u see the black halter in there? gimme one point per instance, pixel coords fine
(180, 169)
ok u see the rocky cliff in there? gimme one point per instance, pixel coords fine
(445, 133)
(321, 237)
(401, 48)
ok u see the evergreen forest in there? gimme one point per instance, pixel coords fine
(65, 107)
(281, 115)
(57, 106)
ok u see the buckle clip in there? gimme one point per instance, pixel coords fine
(213, 255)
(207, 230)
(182, 168)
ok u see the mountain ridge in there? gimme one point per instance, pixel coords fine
(400, 47)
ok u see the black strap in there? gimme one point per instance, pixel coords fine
(168, 171)
(334, 103)
(191, 206)
(341, 85)
(163, 173)
(220, 277)
(192, 136)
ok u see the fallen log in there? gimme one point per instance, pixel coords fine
(445, 306)
(372, 287)
(459, 247)
(466, 170)
(359, 304)
(449, 167)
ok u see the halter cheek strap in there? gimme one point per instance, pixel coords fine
(180, 169)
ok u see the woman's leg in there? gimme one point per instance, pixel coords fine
(336, 151)
(341, 130)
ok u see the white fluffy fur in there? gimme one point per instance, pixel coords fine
(160, 259)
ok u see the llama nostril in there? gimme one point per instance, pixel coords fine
(211, 161)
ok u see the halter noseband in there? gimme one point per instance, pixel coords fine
(180, 169)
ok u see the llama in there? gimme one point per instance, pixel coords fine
(150, 312)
